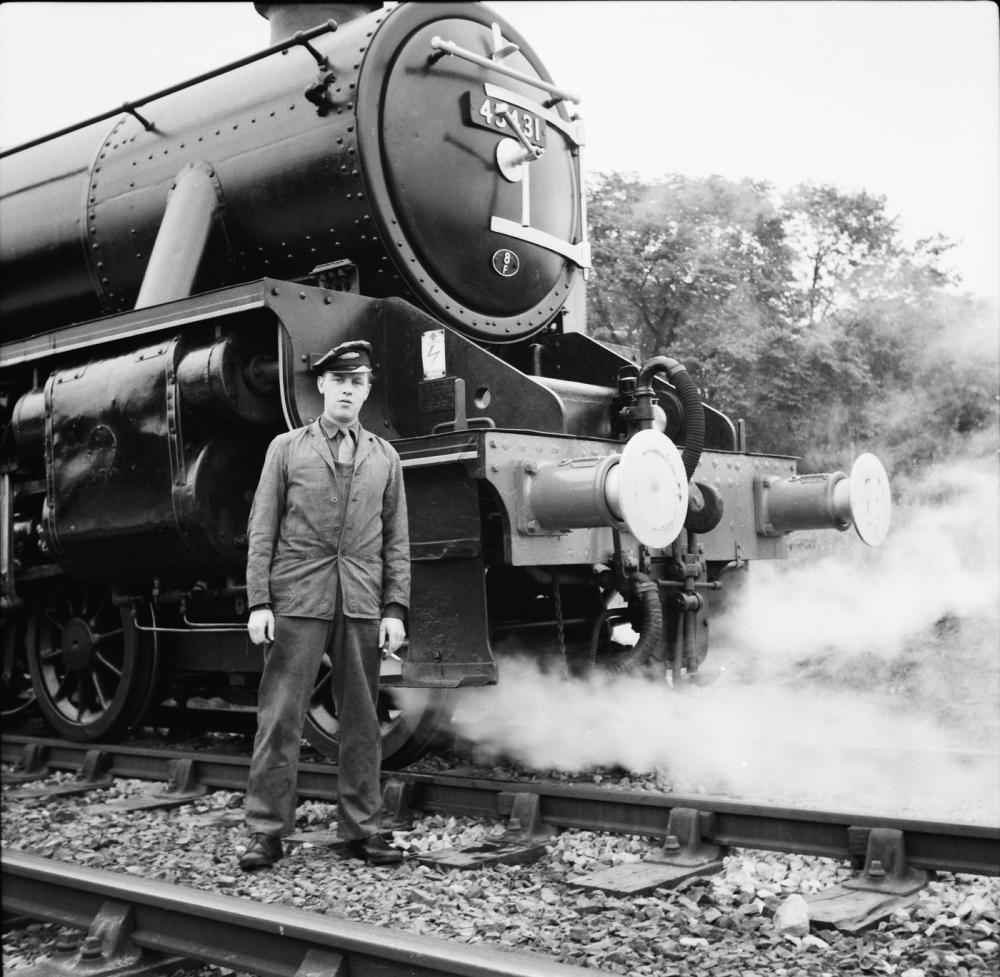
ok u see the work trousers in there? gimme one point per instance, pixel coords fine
(289, 676)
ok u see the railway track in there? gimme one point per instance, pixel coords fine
(128, 917)
(684, 823)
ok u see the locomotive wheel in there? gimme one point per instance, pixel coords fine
(407, 732)
(93, 672)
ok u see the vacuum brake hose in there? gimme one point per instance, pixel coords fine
(650, 626)
(694, 412)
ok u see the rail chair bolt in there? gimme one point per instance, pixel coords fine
(671, 843)
(92, 948)
(876, 870)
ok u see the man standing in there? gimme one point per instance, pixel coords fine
(328, 571)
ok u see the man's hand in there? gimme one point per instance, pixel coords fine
(390, 635)
(261, 625)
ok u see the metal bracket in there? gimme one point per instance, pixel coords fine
(32, 765)
(337, 276)
(684, 855)
(181, 788)
(886, 869)
(521, 844)
(92, 776)
(461, 421)
(106, 950)
(318, 93)
(397, 808)
(683, 845)
(183, 782)
(887, 883)
(524, 818)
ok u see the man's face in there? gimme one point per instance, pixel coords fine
(343, 395)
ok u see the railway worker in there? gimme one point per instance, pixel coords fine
(328, 570)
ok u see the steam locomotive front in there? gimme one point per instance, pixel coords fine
(383, 143)
(474, 173)
(412, 178)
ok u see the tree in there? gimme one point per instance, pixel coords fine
(810, 318)
(693, 268)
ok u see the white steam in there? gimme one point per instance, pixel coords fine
(897, 648)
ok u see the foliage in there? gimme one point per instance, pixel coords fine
(808, 316)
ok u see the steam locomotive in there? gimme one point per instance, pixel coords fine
(412, 177)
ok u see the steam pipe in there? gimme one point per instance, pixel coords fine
(192, 205)
(694, 412)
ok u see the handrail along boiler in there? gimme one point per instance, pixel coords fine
(411, 177)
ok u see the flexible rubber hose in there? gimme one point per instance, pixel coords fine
(694, 412)
(650, 625)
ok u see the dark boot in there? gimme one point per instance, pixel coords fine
(262, 853)
(373, 850)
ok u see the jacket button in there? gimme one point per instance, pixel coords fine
(333, 498)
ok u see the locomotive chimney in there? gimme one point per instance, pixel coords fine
(286, 19)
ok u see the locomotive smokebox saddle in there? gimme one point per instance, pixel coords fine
(354, 356)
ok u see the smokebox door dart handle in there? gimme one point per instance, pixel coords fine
(441, 47)
(531, 151)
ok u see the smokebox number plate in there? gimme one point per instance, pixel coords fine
(489, 113)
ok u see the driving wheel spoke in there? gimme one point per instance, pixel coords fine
(99, 657)
(101, 697)
(56, 622)
(95, 615)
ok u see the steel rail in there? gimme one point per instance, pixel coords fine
(244, 935)
(841, 835)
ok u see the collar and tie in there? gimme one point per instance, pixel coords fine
(343, 446)
(343, 441)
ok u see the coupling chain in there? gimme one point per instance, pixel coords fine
(560, 629)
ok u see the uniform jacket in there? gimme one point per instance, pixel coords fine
(298, 551)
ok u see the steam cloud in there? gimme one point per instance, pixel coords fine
(896, 648)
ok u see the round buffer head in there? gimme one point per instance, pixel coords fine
(652, 489)
(871, 499)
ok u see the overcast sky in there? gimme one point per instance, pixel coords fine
(899, 98)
